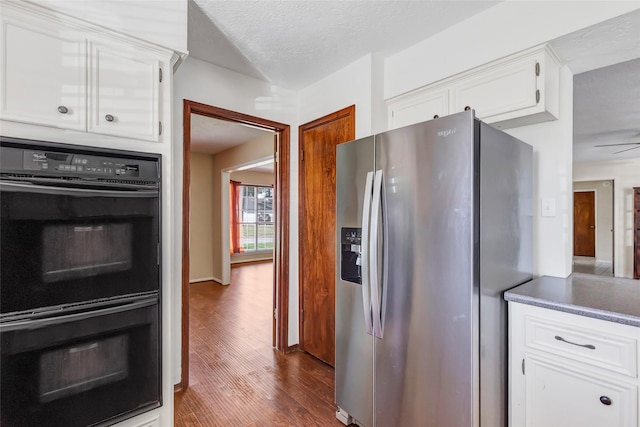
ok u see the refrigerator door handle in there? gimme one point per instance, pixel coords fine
(366, 213)
(374, 244)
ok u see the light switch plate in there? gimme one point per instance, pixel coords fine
(548, 207)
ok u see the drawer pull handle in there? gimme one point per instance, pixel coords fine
(605, 400)
(589, 346)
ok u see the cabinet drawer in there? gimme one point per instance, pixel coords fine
(558, 396)
(599, 348)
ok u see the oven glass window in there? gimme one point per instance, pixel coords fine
(76, 251)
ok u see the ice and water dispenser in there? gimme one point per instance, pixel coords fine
(350, 254)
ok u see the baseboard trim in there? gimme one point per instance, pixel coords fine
(291, 348)
(253, 261)
(208, 279)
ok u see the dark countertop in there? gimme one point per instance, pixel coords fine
(606, 298)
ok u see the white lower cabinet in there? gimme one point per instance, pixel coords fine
(561, 395)
(568, 370)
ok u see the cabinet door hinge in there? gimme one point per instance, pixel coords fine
(275, 157)
(537, 69)
(275, 313)
(160, 76)
(537, 96)
(159, 128)
(522, 366)
(302, 155)
(301, 316)
(393, 113)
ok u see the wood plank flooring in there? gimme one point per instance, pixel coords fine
(236, 377)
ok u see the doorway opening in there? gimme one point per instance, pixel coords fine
(593, 227)
(281, 149)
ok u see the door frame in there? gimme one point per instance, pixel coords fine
(281, 264)
(347, 111)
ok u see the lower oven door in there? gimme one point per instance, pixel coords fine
(88, 368)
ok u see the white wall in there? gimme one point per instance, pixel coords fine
(163, 22)
(199, 81)
(626, 175)
(348, 86)
(603, 215)
(502, 30)
(552, 164)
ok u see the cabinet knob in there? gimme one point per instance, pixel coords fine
(63, 110)
(605, 400)
(109, 118)
(467, 108)
(436, 116)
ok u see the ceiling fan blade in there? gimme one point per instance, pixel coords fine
(628, 149)
(623, 143)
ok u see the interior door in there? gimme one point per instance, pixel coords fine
(584, 223)
(318, 141)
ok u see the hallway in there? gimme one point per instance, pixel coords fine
(236, 377)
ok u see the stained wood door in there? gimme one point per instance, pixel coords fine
(636, 233)
(318, 141)
(584, 223)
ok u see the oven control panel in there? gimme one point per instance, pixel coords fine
(79, 164)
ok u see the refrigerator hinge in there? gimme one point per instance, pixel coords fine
(522, 366)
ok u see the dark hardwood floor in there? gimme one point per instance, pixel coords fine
(236, 377)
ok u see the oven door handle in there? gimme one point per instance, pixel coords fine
(52, 321)
(73, 191)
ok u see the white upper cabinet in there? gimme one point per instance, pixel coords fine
(60, 72)
(409, 109)
(43, 74)
(515, 91)
(123, 92)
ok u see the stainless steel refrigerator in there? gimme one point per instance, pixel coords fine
(434, 223)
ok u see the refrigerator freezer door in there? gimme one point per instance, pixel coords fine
(506, 227)
(424, 365)
(354, 346)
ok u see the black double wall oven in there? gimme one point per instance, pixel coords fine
(79, 284)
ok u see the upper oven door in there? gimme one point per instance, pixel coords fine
(66, 242)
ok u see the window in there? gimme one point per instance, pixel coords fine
(255, 229)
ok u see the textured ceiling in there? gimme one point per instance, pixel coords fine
(213, 136)
(607, 111)
(296, 43)
(606, 87)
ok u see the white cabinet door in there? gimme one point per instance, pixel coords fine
(43, 77)
(505, 89)
(418, 107)
(558, 395)
(123, 91)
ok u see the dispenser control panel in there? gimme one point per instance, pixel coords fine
(351, 254)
